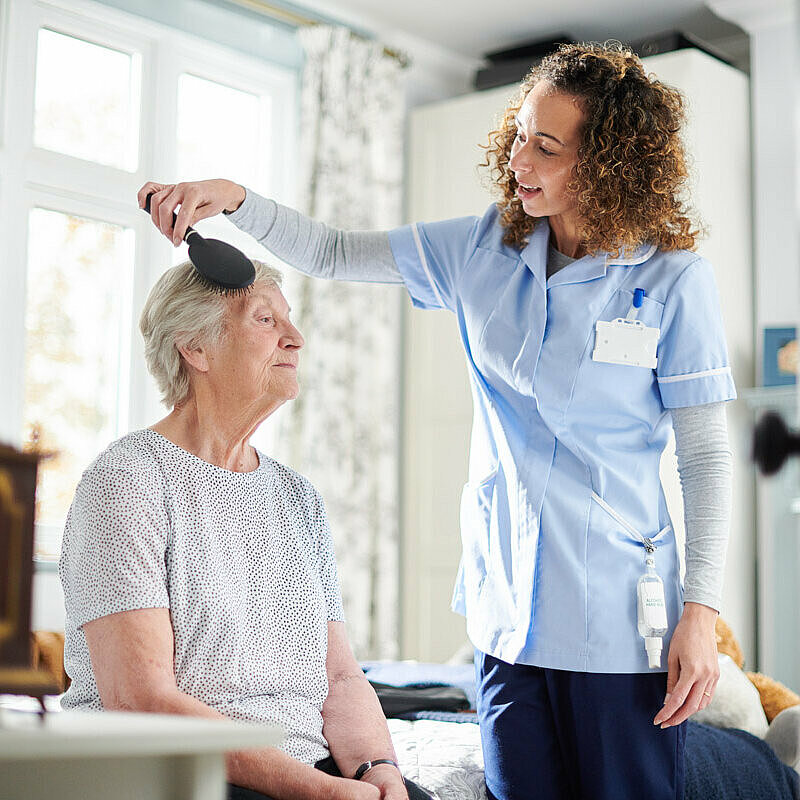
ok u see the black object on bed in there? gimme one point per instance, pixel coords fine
(399, 701)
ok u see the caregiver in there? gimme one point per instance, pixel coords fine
(585, 317)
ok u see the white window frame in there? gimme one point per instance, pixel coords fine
(32, 177)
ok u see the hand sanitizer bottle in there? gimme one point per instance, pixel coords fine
(652, 611)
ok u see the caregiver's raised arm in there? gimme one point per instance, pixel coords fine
(197, 200)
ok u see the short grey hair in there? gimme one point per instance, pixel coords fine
(181, 311)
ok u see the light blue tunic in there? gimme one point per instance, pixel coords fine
(548, 576)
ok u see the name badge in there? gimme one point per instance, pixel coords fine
(626, 341)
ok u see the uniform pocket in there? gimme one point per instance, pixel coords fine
(615, 562)
(476, 518)
(626, 528)
(650, 312)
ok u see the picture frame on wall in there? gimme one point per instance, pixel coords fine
(780, 357)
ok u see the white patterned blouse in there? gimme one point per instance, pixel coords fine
(243, 561)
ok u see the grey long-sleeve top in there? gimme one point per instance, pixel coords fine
(701, 433)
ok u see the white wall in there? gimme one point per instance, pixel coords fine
(443, 181)
(774, 30)
(47, 613)
(774, 118)
(777, 248)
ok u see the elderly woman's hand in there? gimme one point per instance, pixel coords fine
(693, 665)
(357, 790)
(197, 200)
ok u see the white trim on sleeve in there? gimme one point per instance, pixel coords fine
(424, 261)
(692, 375)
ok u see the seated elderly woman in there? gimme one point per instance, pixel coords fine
(199, 573)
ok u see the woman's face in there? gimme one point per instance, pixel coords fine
(545, 151)
(255, 363)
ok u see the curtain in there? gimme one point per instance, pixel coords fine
(342, 430)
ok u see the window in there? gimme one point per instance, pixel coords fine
(74, 76)
(76, 358)
(226, 142)
(94, 104)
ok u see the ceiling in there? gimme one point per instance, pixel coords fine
(472, 28)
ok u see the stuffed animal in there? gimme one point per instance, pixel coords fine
(775, 697)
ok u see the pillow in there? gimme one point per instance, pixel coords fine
(736, 702)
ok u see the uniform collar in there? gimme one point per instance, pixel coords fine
(633, 257)
(534, 254)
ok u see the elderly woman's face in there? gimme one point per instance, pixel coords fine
(545, 151)
(256, 360)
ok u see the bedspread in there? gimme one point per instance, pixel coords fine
(444, 757)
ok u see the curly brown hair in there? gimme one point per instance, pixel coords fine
(631, 171)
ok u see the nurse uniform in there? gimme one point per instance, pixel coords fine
(564, 466)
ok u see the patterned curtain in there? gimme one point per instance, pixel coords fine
(342, 431)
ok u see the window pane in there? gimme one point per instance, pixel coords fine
(218, 131)
(86, 102)
(76, 322)
(221, 134)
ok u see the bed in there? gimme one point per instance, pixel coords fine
(441, 750)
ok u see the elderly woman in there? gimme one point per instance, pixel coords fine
(591, 329)
(199, 573)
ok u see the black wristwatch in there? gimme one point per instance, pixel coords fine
(368, 765)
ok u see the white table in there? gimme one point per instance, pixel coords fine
(119, 756)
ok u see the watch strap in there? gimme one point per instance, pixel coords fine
(368, 765)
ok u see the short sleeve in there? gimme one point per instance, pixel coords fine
(431, 257)
(326, 563)
(115, 540)
(693, 366)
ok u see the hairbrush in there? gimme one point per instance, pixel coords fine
(220, 266)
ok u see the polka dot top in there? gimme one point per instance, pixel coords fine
(243, 561)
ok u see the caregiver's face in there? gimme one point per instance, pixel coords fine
(545, 151)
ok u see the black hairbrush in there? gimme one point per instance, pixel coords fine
(773, 443)
(219, 265)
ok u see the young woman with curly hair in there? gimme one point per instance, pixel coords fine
(627, 179)
(591, 330)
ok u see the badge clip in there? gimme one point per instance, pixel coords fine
(627, 340)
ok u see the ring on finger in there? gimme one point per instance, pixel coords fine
(707, 694)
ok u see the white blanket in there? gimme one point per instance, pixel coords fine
(443, 757)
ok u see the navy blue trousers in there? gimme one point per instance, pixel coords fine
(550, 734)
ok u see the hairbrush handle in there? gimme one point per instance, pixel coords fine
(189, 229)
